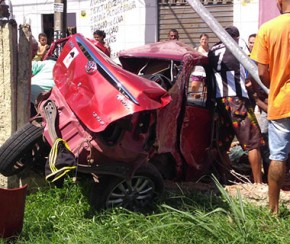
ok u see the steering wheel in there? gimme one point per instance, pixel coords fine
(162, 80)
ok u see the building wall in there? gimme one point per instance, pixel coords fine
(129, 23)
(127, 27)
(30, 11)
(246, 17)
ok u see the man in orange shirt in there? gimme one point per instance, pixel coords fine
(272, 53)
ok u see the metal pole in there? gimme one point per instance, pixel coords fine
(58, 13)
(60, 23)
(64, 19)
(215, 26)
(60, 7)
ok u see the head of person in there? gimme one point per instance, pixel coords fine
(233, 32)
(173, 34)
(99, 35)
(251, 41)
(42, 39)
(203, 40)
(283, 6)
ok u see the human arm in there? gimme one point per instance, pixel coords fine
(261, 54)
(261, 104)
(257, 94)
(264, 74)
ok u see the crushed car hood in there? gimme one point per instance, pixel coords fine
(100, 91)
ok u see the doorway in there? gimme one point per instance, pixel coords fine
(48, 25)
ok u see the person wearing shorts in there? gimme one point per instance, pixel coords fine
(271, 52)
(238, 119)
(233, 105)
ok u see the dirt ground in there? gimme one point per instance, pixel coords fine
(258, 193)
(253, 193)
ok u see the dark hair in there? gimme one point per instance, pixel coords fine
(100, 33)
(233, 31)
(203, 34)
(252, 35)
(41, 34)
(173, 30)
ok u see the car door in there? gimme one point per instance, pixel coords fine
(195, 130)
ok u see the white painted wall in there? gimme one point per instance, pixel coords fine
(30, 11)
(128, 24)
(246, 17)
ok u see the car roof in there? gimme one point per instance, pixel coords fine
(173, 50)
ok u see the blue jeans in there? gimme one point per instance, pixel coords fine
(279, 139)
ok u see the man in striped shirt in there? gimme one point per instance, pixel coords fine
(236, 113)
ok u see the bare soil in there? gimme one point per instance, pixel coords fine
(252, 193)
(256, 193)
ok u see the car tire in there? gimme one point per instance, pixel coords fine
(21, 149)
(136, 194)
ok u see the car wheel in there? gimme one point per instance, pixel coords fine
(23, 148)
(136, 194)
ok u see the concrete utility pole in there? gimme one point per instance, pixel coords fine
(60, 13)
(15, 75)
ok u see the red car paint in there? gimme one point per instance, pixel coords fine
(104, 93)
(183, 127)
(105, 113)
(94, 95)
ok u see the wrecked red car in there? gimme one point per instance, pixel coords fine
(129, 127)
(184, 127)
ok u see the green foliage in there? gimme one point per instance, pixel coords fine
(63, 215)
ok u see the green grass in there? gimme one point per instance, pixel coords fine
(63, 215)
